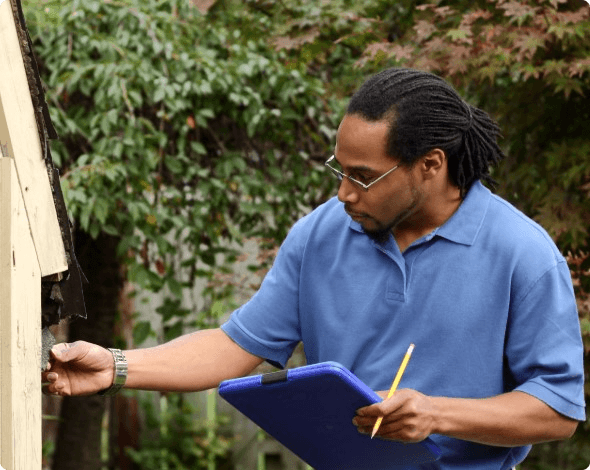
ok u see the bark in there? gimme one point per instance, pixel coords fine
(126, 429)
(124, 422)
(78, 443)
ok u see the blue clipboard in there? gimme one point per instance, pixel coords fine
(310, 410)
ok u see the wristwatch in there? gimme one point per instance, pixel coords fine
(120, 373)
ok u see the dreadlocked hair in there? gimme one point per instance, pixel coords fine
(424, 113)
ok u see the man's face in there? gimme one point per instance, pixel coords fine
(390, 202)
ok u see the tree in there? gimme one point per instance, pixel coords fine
(82, 417)
(175, 130)
(165, 117)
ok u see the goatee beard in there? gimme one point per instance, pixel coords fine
(380, 236)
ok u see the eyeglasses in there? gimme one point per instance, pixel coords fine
(339, 174)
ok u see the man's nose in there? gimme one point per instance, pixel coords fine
(348, 192)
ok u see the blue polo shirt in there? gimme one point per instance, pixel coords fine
(486, 298)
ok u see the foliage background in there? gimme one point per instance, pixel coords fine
(207, 122)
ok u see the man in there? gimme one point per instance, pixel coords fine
(414, 250)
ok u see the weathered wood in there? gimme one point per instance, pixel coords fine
(19, 138)
(20, 330)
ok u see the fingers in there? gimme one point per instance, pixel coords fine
(385, 407)
(49, 378)
(50, 385)
(398, 430)
(76, 351)
(366, 416)
(365, 424)
(52, 377)
(406, 417)
(59, 351)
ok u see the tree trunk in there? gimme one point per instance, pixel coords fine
(78, 445)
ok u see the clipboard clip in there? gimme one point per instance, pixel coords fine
(274, 377)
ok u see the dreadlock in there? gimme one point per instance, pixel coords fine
(424, 113)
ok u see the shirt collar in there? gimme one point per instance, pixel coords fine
(463, 226)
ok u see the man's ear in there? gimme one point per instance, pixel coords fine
(433, 163)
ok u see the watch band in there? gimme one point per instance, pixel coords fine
(120, 373)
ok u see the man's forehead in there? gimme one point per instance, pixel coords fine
(366, 133)
(361, 143)
(361, 123)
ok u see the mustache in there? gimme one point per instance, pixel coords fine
(353, 213)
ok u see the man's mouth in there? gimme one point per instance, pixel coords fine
(355, 215)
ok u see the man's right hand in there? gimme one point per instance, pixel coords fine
(195, 361)
(78, 368)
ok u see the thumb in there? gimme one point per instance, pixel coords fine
(62, 352)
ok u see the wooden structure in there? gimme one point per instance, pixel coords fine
(31, 247)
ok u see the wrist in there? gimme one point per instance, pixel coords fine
(437, 415)
(120, 368)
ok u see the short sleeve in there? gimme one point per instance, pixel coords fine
(544, 348)
(268, 324)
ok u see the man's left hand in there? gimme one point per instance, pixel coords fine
(408, 416)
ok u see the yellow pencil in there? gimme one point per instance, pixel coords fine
(394, 385)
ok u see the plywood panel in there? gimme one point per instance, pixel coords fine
(20, 331)
(19, 138)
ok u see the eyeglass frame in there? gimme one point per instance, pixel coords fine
(340, 175)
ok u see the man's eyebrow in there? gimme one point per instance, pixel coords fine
(358, 167)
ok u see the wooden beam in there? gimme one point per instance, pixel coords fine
(19, 139)
(20, 331)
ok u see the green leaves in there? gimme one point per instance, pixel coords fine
(179, 133)
(182, 442)
(142, 330)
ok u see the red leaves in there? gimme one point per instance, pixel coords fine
(470, 18)
(380, 50)
(203, 5)
(526, 45)
(572, 17)
(289, 42)
(160, 267)
(424, 30)
(457, 62)
(579, 67)
(401, 52)
(441, 12)
(526, 39)
(555, 3)
(518, 11)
